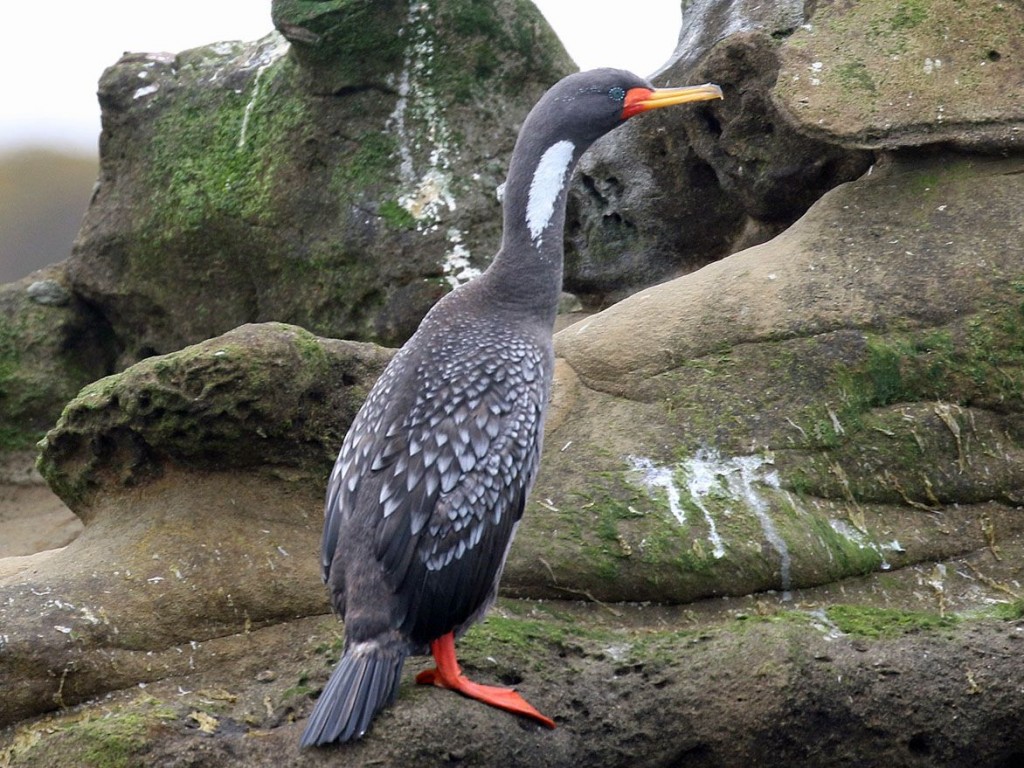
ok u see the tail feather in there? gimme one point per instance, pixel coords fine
(365, 680)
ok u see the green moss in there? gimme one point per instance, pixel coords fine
(314, 356)
(530, 629)
(15, 435)
(856, 74)
(301, 687)
(516, 634)
(481, 38)
(846, 557)
(117, 738)
(9, 353)
(892, 25)
(513, 642)
(395, 216)
(908, 14)
(372, 163)
(473, 17)
(1009, 611)
(39, 373)
(883, 376)
(356, 41)
(214, 159)
(977, 360)
(631, 528)
(885, 622)
(335, 269)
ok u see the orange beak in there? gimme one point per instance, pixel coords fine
(643, 99)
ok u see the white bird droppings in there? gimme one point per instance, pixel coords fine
(706, 477)
(145, 91)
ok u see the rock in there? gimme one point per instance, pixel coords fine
(51, 345)
(843, 398)
(347, 45)
(264, 397)
(302, 181)
(824, 429)
(49, 292)
(201, 518)
(778, 513)
(883, 75)
(666, 195)
(646, 688)
(810, 91)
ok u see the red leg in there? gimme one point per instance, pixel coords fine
(448, 675)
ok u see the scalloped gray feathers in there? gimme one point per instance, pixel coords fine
(427, 475)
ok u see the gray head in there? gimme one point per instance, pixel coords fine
(584, 106)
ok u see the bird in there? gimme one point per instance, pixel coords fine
(434, 472)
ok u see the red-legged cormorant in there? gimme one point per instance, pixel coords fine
(433, 475)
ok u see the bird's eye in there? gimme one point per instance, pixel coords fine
(615, 93)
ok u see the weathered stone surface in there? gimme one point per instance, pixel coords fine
(345, 44)
(305, 182)
(51, 345)
(827, 428)
(270, 397)
(200, 479)
(879, 74)
(858, 379)
(811, 411)
(680, 189)
(810, 90)
(740, 683)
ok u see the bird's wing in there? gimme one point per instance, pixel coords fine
(376, 428)
(449, 480)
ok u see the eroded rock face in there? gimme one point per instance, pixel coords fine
(270, 397)
(303, 181)
(200, 479)
(826, 429)
(666, 195)
(858, 379)
(51, 345)
(889, 75)
(810, 93)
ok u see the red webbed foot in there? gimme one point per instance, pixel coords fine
(447, 674)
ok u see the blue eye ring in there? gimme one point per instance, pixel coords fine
(616, 93)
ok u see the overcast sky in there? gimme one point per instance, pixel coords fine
(53, 53)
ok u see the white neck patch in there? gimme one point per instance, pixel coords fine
(548, 180)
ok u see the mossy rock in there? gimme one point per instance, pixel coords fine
(303, 181)
(51, 344)
(263, 396)
(911, 73)
(811, 409)
(642, 685)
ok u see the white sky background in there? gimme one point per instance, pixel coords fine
(53, 53)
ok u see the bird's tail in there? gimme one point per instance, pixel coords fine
(365, 680)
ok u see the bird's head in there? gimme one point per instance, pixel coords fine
(589, 104)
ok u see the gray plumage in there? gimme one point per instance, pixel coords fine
(433, 475)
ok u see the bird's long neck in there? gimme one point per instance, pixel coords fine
(527, 272)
